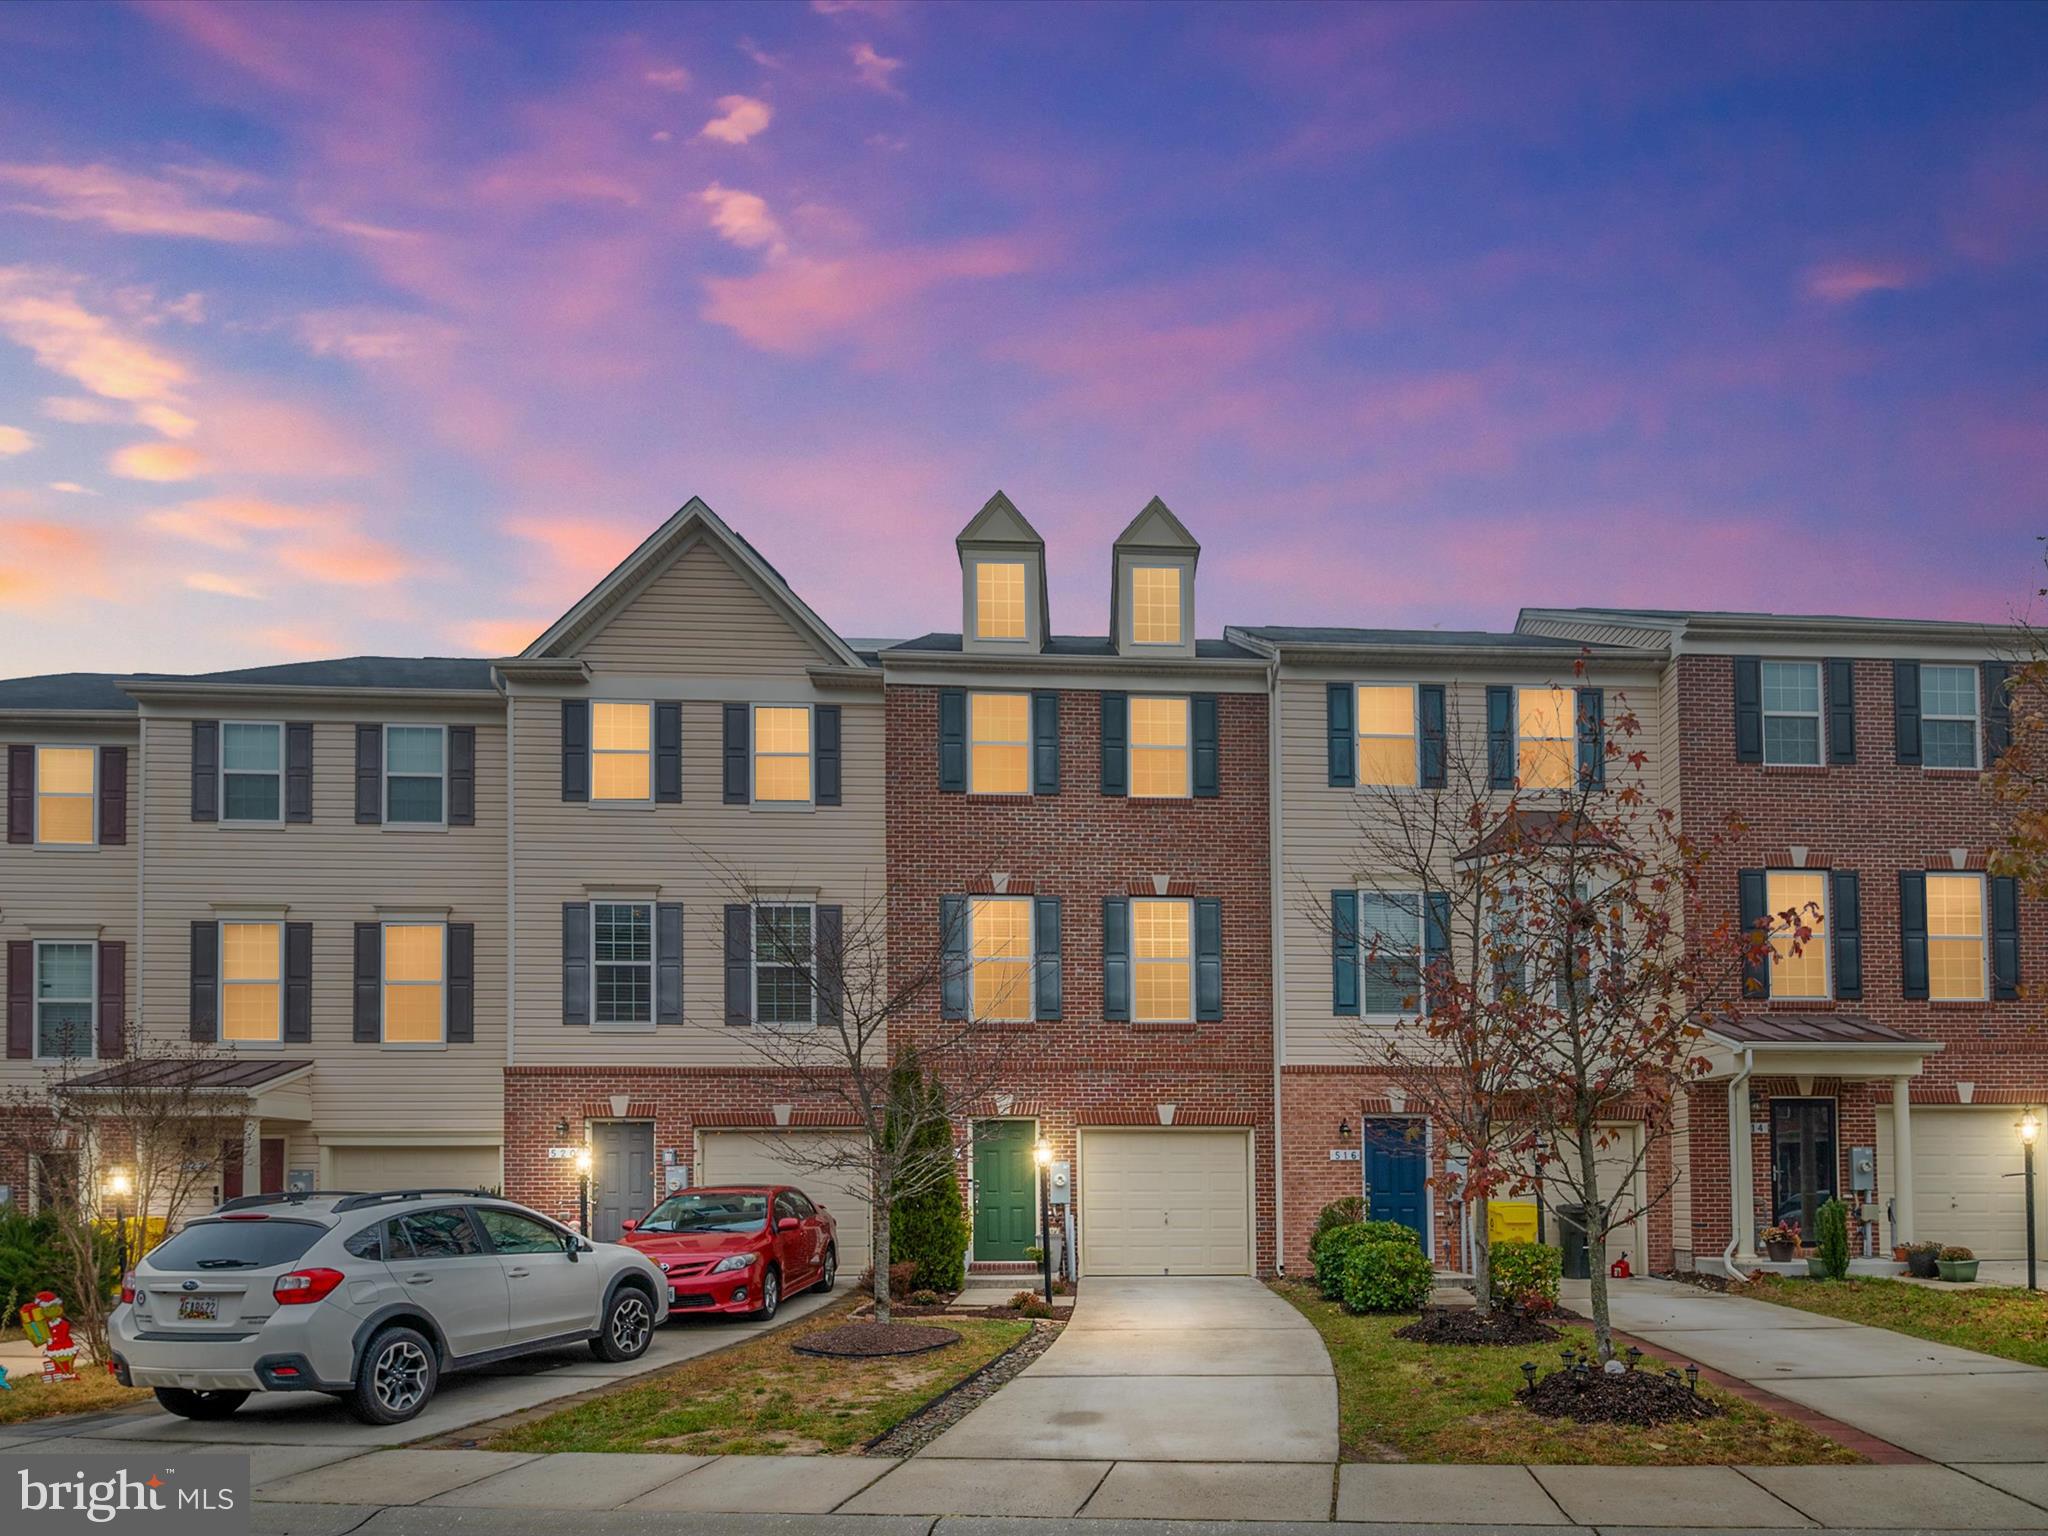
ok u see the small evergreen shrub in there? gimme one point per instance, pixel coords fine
(1387, 1277)
(1347, 1212)
(1332, 1252)
(1832, 1226)
(928, 1227)
(1526, 1274)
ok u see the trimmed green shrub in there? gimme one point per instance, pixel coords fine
(1333, 1249)
(1347, 1212)
(928, 1228)
(1526, 1274)
(1387, 1277)
(1831, 1224)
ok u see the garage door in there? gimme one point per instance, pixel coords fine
(414, 1168)
(789, 1157)
(1166, 1203)
(1961, 1194)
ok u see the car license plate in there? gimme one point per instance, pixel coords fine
(198, 1308)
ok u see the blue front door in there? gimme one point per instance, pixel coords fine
(1396, 1161)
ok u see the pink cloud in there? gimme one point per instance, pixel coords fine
(253, 435)
(159, 462)
(500, 637)
(577, 549)
(40, 312)
(739, 119)
(346, 559)
(131, 204)
(1844, 282)
(797, 305)
(742, 218)
(42, 563)
(225, 522)
(876, 71)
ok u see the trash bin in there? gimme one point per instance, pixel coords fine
(1571, 1236)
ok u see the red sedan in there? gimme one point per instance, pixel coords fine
(738, 1249)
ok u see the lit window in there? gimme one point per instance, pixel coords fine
(1002, 958)
(1386, 736)
(783, 960)
(782, 752)
(1162, 964)
(999, 600)
(415, 774)
(1000, 727)
(1804, 975)
(621, 751)
(1547, 744)
(64, 795)
(415, 977)
(251, 772)
(1792, 712)
(1390, 952)
(64, 1000)
(1955, 938)
(251, 981)
(1948, 717)
(1155, 604)
(622, 948)
(1159, 748)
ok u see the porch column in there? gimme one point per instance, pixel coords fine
(252, 1156)
(1902, 1160)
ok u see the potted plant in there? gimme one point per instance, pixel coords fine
(1781, 1243)
(1921, 1259)
(1957, 1263)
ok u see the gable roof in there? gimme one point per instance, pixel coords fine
(999, 522)
(1155, 527)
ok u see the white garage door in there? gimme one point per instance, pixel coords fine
(374, 1168)
(1961, 1194)
(789, 1157)
(1166, 1202)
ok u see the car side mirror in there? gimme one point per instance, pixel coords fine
(787, 1224)
(572, 1245)
(630, 1226)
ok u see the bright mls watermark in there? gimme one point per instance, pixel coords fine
(173, 1495)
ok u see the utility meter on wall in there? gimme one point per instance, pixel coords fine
(1062, 1183)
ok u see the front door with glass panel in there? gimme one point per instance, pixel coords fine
(1802, 1161)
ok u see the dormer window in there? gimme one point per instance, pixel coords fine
(999, 600)
(1155, 605)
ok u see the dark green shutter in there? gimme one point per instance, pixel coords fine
(1339, 723)
(1845, 921)
(205, 773)
(369, 775)
(828, 965)
(369, 983)
(576, 749)
(298, 983)
(953, 741)
(735, 751)
(1429, 707)
(739, 964)
(1749, 709)
(1906, 711)
(1208, 961)
(1913, 933)
(1045, 745)
(668, 754)
(953, 957)
(1436, 942)
(1116, 759)
(1997, 711)
(1207, 753)
(2005, 937)
(461, 775)
(575, 962)
(1500, 738)
(1344, 952)
(1841, 709)
(1592, 719)
(1047, 989)
(825, 753)
(1750, 900)
(204, 990)
(1116, 958)
(298, 772)
(668, 962)
(461, 983)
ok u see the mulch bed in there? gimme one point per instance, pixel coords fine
(1446, 1325)
(1633, 1397)
(949, 1408)
(868, 1340)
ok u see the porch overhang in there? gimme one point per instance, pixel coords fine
(276, 1088)
(1838, 1045)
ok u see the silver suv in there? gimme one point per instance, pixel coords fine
(370, 1297)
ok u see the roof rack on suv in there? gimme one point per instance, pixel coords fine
(356, 1202)
(281, 1197)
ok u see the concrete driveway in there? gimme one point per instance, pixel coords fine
(1215, 1370)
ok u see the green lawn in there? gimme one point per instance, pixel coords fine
(1399, 1401)
(2000, 1320)
(765, 1399)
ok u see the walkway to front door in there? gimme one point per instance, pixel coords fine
(1005, 1201)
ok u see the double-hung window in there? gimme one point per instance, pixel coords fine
(415, 983)
(1159, 749)
(999, 600)
(1002, 959)
(782, 754)
(1546, 747)
(252, 982)
(1948, 716)
(1387, 736)
(1955, 938)
(1791, 709)
(1155, 604)
(1390, 952)
(622, 950)
(785, 952)
(65, 786)
(415, 775)
(65, 998)
(1803, 893)
(999, 732)
(1162, 961)
(621, 752)
(252, 772)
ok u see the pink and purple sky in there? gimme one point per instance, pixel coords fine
(351, 328)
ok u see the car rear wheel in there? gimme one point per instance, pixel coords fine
(771, 1295)
(628, 1326)
(396, 1379)
(188, 1404)
(830, 1272)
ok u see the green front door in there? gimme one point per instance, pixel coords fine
(1005, 1201)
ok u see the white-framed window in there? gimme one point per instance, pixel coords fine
(1159, 749)
(416, 775)
(252, 772)
(1792, 712)
(1956, 952)
(1155, 604)
(1000, 945)
(1804, 891)
(782, 754)
(1948, 716)
(999, 743)
(67, 998)
(252, 983)
(622, 953)
(1546, 738)
(621, 752)
(67, 787)
(1389, 737)
(999, 606)
(415, 983)
(1390, 953)
(785, 964)
(1162, 961)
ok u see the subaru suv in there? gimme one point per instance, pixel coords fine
(369, 1297)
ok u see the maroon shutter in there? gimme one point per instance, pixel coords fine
(231, 1169)
(270, 1154)
(21, 794)
(21, 1019)
(113, 998)
(113, 796)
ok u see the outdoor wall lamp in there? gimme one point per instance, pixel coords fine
(583, 1190)
(1343, 1130)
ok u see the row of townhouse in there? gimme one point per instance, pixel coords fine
(434, 921)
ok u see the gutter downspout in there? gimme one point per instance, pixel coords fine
(1278, 947)
(1739, 1180)
(511, 879)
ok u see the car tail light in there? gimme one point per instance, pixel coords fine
(128, 1287)
(302, 1287)
(245, 1216)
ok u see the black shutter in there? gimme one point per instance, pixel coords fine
(1749, 709)
(298, 772)
(953, 961)
(1436, 941)
(668, 754)
(203, 990)
(1344, 952)
(206, 771)
(1592, 737)
(369, 775)
(461, 983)
(298, 983)
(576, 749)
(1208, 960)
(1500, 738)
(1845, 919)
(1429, 709)
(2005, 938)
(825, 754)
(1750, 902)
(734, 753)
(1906, 710)
(1045, 744)
(668, 963)
(1207, 752)
(1116, 757)
(1339, 726)
(828, 966)
(461, 775)
(739, 963)
(369, 983)
(21, 999)
(952, 741)
(1913, 932)
(1116, 958)
(113, 796)
(575, 962)
(1046, 990)
(21, 794)
(1997, 711)
(113, 1001)
(1841, 697)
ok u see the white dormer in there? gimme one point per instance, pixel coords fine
(1002, 582)
(1152, 585)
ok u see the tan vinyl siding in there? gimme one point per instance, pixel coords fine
(700, 617)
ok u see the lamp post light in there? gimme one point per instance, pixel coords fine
(1042, 1155)
(583, 1190)
(2030, 1132)
(119, 1187)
